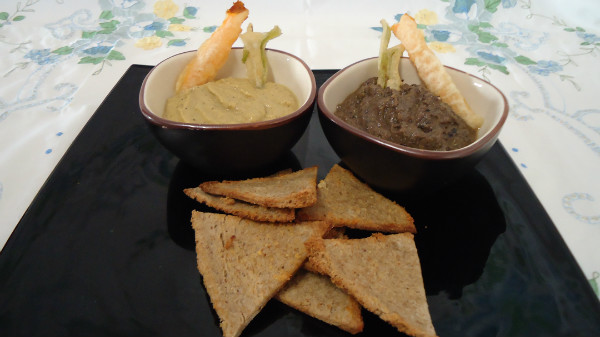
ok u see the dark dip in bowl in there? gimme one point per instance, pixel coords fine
(411, 116)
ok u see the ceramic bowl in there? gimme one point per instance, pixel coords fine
(229, 148)
(391, 167)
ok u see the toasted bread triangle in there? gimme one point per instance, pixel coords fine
(317, 296)
(383, 273)
(343, 200)
(241, 208)
(245, 263)
(286, 190)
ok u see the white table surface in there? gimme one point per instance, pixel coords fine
(60, 58)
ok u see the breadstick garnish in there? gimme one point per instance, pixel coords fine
(213, 53)
(432, 72)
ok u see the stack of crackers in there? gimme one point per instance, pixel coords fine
(283, 237)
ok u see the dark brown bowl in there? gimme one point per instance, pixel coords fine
(229, 148)
(395, 168)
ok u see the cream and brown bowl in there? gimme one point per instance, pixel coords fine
(391, 167)
(229, 148)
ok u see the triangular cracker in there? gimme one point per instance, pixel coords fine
(317, 296)
(288, 190)
(383, 273)
(245, 263)
(333, 233)
(343, 200)
(241, 208)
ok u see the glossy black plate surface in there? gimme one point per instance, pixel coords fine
(106, 248)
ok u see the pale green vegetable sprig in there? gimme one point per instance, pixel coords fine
(255, 56)
(388, 64)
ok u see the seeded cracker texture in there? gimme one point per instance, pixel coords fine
(241, 208)
(343, 200)
(383, 273)
(245, 263)
(318, 297)
(292, 190)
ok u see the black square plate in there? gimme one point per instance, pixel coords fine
(106, 248)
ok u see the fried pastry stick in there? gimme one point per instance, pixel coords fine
(213, 53)
(432, 72)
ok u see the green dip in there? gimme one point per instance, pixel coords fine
(231, 101)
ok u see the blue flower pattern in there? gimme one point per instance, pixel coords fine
(462, 6)
(545, 67)
(440, 35)
(119, 21)
(155, 26)
(491, 57)
(491, 50)
(97, 50)
(42, 56)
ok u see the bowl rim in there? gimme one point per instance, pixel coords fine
(166, 123)
(405, 150)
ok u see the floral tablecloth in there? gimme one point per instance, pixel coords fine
(60, 58)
